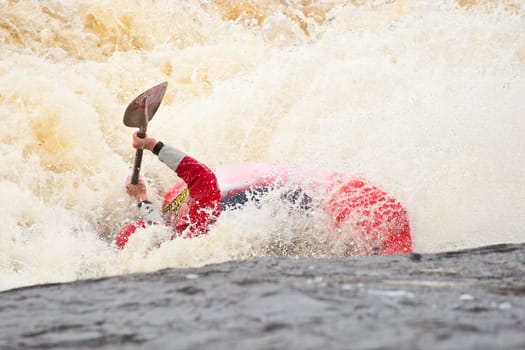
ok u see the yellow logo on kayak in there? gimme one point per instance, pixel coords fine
(176, 203)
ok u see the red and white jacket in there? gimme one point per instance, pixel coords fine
(193, 210)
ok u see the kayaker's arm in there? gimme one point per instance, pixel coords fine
(202, 184)
(203, 188)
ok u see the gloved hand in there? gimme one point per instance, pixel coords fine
(138, 191)
(143, 143)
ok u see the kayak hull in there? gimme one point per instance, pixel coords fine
(363, 216)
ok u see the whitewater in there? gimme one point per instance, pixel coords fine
(424, 98)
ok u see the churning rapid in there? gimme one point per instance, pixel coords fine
(423, 98)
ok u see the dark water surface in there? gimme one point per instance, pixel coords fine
(472, 299)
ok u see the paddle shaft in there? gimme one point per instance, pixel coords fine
(138, 154)
(137, 164)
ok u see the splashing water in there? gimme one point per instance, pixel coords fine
(424, 98)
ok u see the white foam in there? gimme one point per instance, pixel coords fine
(423, 98)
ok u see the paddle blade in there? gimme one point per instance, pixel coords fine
(136, 115)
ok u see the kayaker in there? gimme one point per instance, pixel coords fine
(364, 217)
(192, 211)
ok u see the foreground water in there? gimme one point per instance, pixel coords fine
(473, 299)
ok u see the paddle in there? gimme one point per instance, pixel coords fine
(139, 112)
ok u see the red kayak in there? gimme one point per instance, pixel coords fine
(366, 218)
